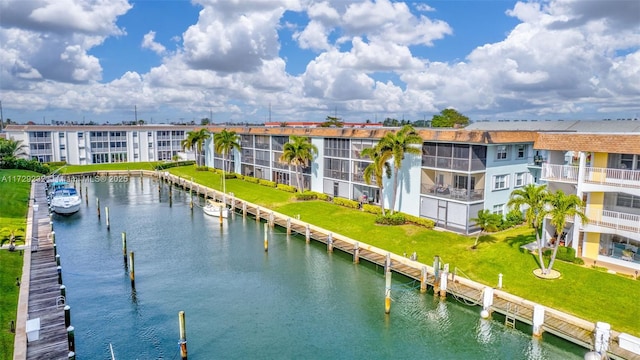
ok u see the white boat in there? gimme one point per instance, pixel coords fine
(65, 201)
(216, 208)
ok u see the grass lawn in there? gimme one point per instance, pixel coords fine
(114, 166)
(14, 200)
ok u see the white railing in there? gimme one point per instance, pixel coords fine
(614, 220)
(565, 173)
(614, 177)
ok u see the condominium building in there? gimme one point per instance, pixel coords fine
(460, 171)
(97, 144)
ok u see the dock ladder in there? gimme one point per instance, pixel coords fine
(510, 316)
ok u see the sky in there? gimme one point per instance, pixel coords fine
(254, 61)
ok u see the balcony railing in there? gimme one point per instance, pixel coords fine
(614, 177)
(564, 173)
(614, 220)
(449, 192)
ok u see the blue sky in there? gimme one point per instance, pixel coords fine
(82, 60)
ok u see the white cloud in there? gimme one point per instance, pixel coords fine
(148, 42)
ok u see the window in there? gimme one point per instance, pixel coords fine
(150, 145)
(62, 147)
(521, 151)
(502, 152)
(61, 135)
(521, 179)
(498, 209)
(500, 182)
(135, 134)
(149, 134)
(628, 201)
(80, 135)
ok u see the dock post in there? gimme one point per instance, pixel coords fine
(258, 214)
(86, 195)
(124, 247)
(55, 249)
(271, 219)
(63, 291)
(53, 237)
(222, 208)
(244, 209)
(233, 202)
(71, 338)
(443, 284)
(307, 234)
(499, 281)
(538, 320)
(387, 292)
(50, 225)
(602, 336)
(59, 271)
(106, 212)
(266, 237)
(487, 302)
(72, 356)
(387, 263)
(183, 335)
(436, 266)
(67, 316)
(423, 280)
(288, 226)
(330, 242)
(132, 273)
(356, 253)
(98, 206)
(57, 259)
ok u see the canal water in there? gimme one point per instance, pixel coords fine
(296, 301)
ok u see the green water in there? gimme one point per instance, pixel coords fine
(295, 302)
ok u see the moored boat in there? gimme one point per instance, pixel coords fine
(216, 208)
(65, 201)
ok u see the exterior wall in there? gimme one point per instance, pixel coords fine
(510, 167)
(317, 166)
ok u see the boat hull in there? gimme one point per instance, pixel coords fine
(216, 210)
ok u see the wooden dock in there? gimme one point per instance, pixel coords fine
(41, 287)
(560, 324)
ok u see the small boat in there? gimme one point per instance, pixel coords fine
(216, 208)
(65, 201)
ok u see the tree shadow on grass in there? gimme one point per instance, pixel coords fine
(519, 241)
(485, 239)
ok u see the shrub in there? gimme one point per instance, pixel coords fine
(202, 168)
(287, 188)
(511, 219)
(391, 219)
(307, 195)
(372, 209)
(251, 179)
(22, 164)
(268, 183)
(174, 164)
(428, 223)
(567, 254)
(56, 163)
(346, 202)
(322, 196)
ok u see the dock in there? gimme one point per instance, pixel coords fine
(40, 330)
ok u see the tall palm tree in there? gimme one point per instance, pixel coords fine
(405, 141)
(299, 151)
(561, 207)
(223, 143)
(533, 199)
(377, 169)
(194, 141)
(487, 221)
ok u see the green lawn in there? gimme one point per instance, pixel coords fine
(114, 166)
(14, 200)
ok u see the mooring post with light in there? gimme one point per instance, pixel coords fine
(106, 212)
(124, 247)
(132, 272)
(183, 335)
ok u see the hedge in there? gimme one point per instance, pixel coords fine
(174, 164)
(372, 209)
(251, 179)
(287, 188)
(268, 183)
(346, 202)
(428, 223)
(393, 219)
(567, 254)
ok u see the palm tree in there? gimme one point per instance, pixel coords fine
(223, 143)
(299, 151)
(194, 141)
(405, 141)
(11, 237)
(487, 221)
(533, 198)
(377, 169)
(561, 207)
(12, 149)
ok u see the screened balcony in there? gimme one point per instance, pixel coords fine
(450, 185)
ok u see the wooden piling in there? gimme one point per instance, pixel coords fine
(132, 272)
(307, 234)
(67, 316)
(86, 196)
(387, 263)
(258, 214)
(244, 209)
(124, 247)
(98, 206)
(443, 284)
(330, 242)
(356, 253)
(59, 271)
(106, 212)
(387, 292)
(266, 237)
(271, 219)
(183, 335)
(71, 338)
(423, 280)
(63, 291)
(288, 226)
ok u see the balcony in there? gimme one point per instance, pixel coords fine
(614, 220)
(613, 177)
(449, 192)
(560, 173)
